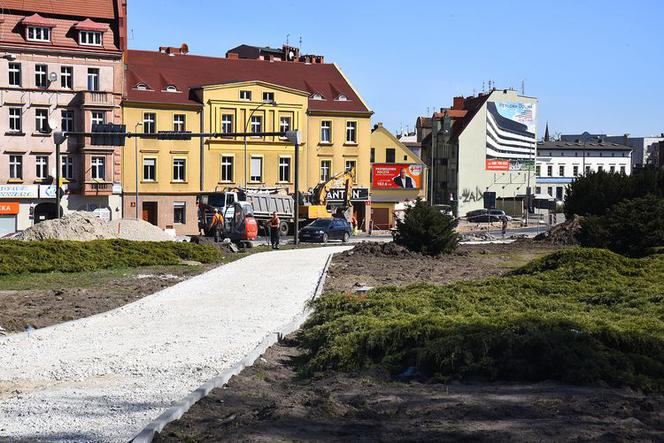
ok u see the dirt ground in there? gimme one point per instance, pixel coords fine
(270, 402)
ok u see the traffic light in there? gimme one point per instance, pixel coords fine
(108, 134)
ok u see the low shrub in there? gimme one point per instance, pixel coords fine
(632, 227)
(18, 257)
(579, 315)
(427, 230)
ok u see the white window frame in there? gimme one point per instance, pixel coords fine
(353, 168)
(149, 122)
(38, 34)
(575, 170)
(180, 163)
(67, 167)
(285, 127)
(67, 120)
(268, 96)
(15, 74)
(561, 170)
(183, 206)
(351, 128)
(67, 77)
(245, 95)
(97, 118)
(98, 167)
(284, 164)
(226, 124)
(16, 120)
(179, 122)
(41, 121)
(151, 164)
(171, 88)
(325, 170)
(256, 178)
(90, 38)
(256, 123)
(41, 75)
(15, 167)
(623, 169)
(227, 164)
(41, 167)
(94, 77)
(326, 125)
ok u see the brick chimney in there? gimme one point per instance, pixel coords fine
(458, 102)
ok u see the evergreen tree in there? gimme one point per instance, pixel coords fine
(427, 230)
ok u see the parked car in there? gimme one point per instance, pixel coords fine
(476, 212)
(324, 229)
(487, 216)
(500, 213)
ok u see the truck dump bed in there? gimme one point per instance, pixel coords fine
(265, 204)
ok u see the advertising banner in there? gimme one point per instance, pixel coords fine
(510, 136)
(19, 191)
(397, 176)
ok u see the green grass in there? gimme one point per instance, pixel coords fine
(17, 257)
(577, 315)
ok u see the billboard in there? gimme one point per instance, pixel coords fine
(397, 176)
(510, 136)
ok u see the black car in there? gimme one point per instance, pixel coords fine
(325, 229)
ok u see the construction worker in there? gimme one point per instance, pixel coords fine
(217, 225)
(274, 230)
(503, 228)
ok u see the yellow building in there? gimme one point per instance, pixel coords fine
(231, 95)
(398, 177)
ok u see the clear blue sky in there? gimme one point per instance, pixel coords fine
(594, 65)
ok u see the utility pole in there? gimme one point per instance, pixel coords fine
(136, 165)
(294, 137)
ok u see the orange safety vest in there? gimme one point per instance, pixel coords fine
(218, 219)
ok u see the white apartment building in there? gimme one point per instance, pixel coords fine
(560, 162)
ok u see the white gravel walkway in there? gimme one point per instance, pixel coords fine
(103, 378)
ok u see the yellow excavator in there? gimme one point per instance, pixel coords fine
(316, 206)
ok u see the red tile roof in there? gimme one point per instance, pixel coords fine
(89, 25)
(77, 8)
(38, 20)
(188, 72)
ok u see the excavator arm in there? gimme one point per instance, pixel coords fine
(319, 193)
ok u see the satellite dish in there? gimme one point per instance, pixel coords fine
(291, 55)
(52, 124)
(52, 76)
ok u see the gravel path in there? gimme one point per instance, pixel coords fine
(105, 377)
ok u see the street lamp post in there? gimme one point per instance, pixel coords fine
(246, 123)
(136, 164)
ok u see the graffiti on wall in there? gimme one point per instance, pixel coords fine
(469, 195)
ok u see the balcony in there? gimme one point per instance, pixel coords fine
(92, 188)
(96, 99)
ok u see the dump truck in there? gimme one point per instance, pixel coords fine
(263, 202)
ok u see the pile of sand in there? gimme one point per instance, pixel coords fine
(85, 226)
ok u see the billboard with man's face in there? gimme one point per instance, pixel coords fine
(397, 176)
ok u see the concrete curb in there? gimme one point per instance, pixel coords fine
(179, 408)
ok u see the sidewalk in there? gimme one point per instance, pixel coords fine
(103, 378)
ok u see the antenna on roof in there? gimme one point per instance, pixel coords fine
(523, 87)
(483, 87)
(287, 38)
(300, 47)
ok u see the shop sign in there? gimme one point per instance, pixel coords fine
(339, 195)
(19, 191)
(9, 208)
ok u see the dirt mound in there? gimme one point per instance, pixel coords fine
(85, 226)
(379, 249)
(564, 234)
(223, 247)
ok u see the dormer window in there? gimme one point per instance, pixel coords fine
(141, 87)
(342, 98)
(90, 38)
(38, 34)
(317, 96)
(171, 88)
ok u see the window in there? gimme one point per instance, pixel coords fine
(149, 122)
(89, 38)
(67, 123)
(15, 120)
(268, 97)
(93, 79)
(149, 169)
(600, 168)
(39, 34)
(41, 76)
(587, 169)
(16, 167)
(317, 96)
(285, 124)
(284, 169)
(622, 169)
(372, 156)
(41, 167)
(351, 166)
(549, 191)
(227, 123)
(390, 155)
(98, 168)
(179, 122)
(325, 170)
(612, 169)
(342, 98)
(41, 121)
(538, 170)
(227, 168)
(256, 169)
(326, 131)
(179, 169)
(561, 170)
(67, 77)
(575, 170)
(98, 118)
(351, 132)
(14, 74)
(171, 88)
(538, 190)
(256, 123)
(559, 192)
(180, 213)
(245, 95)
(142, 87)
(549, 171)
(67, 167)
